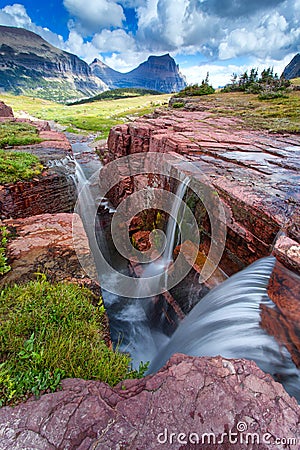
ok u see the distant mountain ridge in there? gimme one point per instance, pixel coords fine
(30, 65)
(159, 73)
(292, 70)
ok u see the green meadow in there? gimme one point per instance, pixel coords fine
(96, 117)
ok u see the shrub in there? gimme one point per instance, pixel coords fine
(178, 105)
(49, 332)
(270, 95)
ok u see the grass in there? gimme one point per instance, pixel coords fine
(116, 94)
(4, 267)
(16, 166)
(277, 115)
(17, 133)
(50, 332)
(96, 117)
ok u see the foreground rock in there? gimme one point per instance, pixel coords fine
(212, 402)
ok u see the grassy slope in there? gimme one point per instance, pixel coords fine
(50, 332)
(282, 114)
(93, 117)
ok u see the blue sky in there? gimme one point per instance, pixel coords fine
(215, 36)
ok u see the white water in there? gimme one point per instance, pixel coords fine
(227, 322)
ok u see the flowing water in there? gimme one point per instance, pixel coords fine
(225, 322)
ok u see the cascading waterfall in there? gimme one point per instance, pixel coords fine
(227, 322)
(129, 318)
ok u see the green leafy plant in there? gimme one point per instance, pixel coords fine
(178, 105)
(52, 331)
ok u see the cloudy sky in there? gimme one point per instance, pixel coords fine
(218, 36)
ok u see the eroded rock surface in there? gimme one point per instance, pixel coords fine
(179, 406)
(48, 243)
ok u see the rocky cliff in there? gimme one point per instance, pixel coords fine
(29, 64)
(160, 73)
(292, 70)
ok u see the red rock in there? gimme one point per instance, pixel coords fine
(45, 243)
(252, 171)
(189, 395)
(287, 251)
(284, 321)
(50, 192)
(5, 110)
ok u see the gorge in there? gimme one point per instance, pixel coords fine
(248, 180)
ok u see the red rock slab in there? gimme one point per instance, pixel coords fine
(50, 192)
(174, 409)
(45, 243)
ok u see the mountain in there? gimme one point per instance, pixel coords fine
(30, 65)
(292, 70)
(159, 73)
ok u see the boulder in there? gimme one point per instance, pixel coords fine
(5, 110)
(201, 403)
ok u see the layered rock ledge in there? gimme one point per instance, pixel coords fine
(190, 403)
(255, 173)
(53, 191)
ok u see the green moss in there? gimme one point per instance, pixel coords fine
(16, 166)
(49, 332)
(17, 133)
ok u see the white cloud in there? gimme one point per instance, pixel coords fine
(219, 75)
(271, 37)
(16, 16)
(113, 41)
(92, 16)
(126, 61)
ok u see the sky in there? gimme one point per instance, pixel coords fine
(221, 37)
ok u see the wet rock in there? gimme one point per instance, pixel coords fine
(255, 173)
(212, 403)
(283, 322)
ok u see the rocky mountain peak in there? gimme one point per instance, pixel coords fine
(292, 70)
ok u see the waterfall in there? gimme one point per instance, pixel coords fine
(227, 322)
